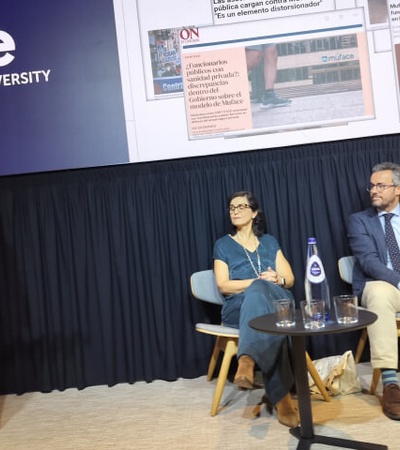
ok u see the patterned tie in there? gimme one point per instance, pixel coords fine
(391, 243)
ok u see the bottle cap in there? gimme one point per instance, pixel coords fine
(312, 240)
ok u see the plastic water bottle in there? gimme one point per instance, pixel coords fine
(315, 283)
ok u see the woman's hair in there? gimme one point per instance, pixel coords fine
(259, 224)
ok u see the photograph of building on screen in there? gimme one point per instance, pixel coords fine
(306, 75)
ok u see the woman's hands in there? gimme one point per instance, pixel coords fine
(283, 276)
(272, 276)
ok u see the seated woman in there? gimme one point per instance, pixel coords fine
(251, 271)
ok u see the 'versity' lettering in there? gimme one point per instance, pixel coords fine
(31, 77)
(7, 45)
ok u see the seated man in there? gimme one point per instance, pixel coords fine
(374, 235)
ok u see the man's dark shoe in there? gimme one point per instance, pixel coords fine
(391, 401)
(271, 100)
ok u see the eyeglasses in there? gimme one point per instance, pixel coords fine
(241, 207)
(379, 187)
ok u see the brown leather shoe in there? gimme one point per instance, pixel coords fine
(287, 414)
(244, 378)
(391, 401)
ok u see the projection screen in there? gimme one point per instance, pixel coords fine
(189, 89)
(108, 82)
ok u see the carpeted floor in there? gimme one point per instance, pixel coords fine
(176, 415)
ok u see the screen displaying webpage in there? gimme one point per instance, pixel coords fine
(324, 68)
(222, 76)
(164, 80)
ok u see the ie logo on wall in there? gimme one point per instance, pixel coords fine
(7, 47)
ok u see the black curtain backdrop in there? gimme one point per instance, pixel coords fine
(95, 263)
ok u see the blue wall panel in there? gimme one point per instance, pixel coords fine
(75, 119)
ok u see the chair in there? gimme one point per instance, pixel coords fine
(204, 287)
(346, 264)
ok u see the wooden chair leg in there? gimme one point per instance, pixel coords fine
(220, 344)
(317, 379)
(376, 374)
(231, 350)
(361, 345)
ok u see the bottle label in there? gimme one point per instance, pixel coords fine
(315, 270)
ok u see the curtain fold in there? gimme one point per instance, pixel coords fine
(96, 263)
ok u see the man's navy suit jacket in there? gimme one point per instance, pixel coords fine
(367, 242)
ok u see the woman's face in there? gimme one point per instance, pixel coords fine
(240, 212)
